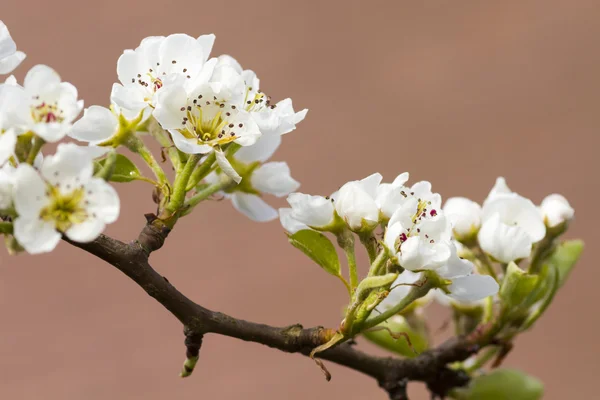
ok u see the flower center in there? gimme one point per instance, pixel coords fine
(47, 113)
(64, 209)
(256, 101)
(210, 122)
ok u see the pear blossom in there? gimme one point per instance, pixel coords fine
(157, 62)
(99, 125)
(10, 58)
(208, 114)
(511, 224)
(556, 210)
(316, 212)
(464, 215)
(62, 198)
(355, 203)
(7, 174)
(260, 178)
(43, 105)
(8, 141)
(389, 195)
(466, 286)
(272, 119)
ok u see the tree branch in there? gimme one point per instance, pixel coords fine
(392, 374)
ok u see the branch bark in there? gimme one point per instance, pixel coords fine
(392, 374)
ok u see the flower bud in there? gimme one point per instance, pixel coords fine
(465, 217)
(556, 210)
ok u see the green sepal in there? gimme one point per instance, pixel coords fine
(564, 257)
(502, 384)
(517, 288)
(319, 248)
(373, 282)
(124, 169)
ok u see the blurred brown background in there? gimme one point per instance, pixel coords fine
(456, 92)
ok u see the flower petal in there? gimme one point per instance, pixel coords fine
(103, 200)
(503, 242)
(261, 151)
(8, 141)
(29, 191)
(274, 178)
(8, 64)
(289, 223)
(473, 287)
(97, 125)
(226, 166)
(86, 231)
(253, 207)
(69, 167)
(35, 235)
(171, 103)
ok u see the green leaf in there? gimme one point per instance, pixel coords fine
(502, 384)
(517, 286)
(373, 282)
(125, 170)
(320, 249)
(398, 324)
(564, 258)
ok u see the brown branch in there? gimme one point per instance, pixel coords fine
(392, 374)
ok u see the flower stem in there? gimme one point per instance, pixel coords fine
(378, 263)
(179, 187)
(415, 293)
(161, 137)
(202, 195)
(200, 173)
(485, 260)
(370, 243)
(482, 359)
(140, 148)
(346, 242)
(38, 143)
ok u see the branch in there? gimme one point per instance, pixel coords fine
(392, 374)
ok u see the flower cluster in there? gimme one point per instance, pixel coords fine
(208, 114)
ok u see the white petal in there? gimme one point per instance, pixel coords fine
(500, 188)
(36, 236)
(392, 233)
(8, 64)
(356, 206)
(517, 210)
(171, 106)
(249, 134)
(226, 166)
(455, 266)
(188, 146)
(370, 184)
(274, 178)
(87, 231)
(179, 52)
(40, 79)
(503, 242)
(69, 167)
(253, 207)
(51, 132)
(128, 98)
(315, 211)
(97, 125)
(206, 42)
(30, 192)
(473, 287)
(102, 201)
(8, 141)
(226, 59)
(261, 151)
(401, 287)
(555, 209)
(130, 64)
(418, 254)
(401, 179)
(289, 223)
(464, 215)
(7, 44)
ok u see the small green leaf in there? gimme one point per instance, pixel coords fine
(373, 282)
(398, 324)
(320, 249)
(502, 384)
(564, 257)
(517, 287)
(125, 170)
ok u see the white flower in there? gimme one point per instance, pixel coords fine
(7, 174)
(208, 115)
(10, 58)
(158, 62)
(504, 242)
(355, 203)
(465, 285)
(316, 212)
(464, 215)
(62, 198)
(44, 105)
(272, 119)
(418, 234)
(261, 178)
(510, 224)
(390, 196)
(556, 210)
(8, 141)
